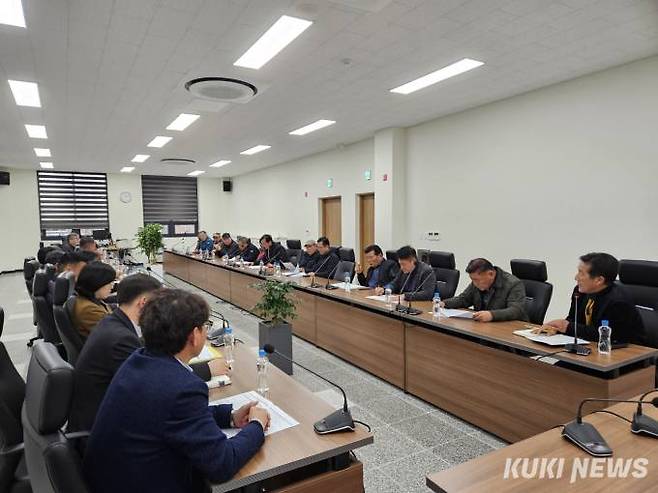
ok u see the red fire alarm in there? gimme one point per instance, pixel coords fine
(385, 177)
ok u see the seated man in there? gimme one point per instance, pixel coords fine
(216, 241)
(415, 280)
(247, 251)
(271, 252)
(71, 243)
(599, 298)
(228, 248)
(495, 295)
(42, 254)
(154, 430)
(381, 271)
(67, 262)
(204, 244)
(113, 340)
(88, 244)
(327, 261)
(309, 256)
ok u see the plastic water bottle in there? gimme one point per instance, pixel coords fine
(261, 372)
(277, 269)
(348, 283)
(604, 337)
(436, 305)
(387, 298)
(229, 343)
(261, 268)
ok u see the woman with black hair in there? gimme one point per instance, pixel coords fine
(93, 286)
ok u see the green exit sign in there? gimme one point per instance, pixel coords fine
(330, 183)
(367, 174)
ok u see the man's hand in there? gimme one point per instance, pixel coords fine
(261, 415)
(553, 327)
(359, 269)
(484, 316)
(241, 417)
(546, 330)
(379, 290)
(218, 367)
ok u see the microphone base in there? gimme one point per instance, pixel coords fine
(585, 436)
(408, 310)
(578, 349)
(645, 425)
(329, 287)
(340, 420)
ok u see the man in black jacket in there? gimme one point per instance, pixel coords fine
(271, 252)
(327, 261)
(381, 271)
(246, 249)
(599, 298)
(227, 248)
(71, 243)
(416, 280)
(309, 257)
(115, 338)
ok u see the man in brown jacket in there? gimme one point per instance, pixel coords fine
(495, 295)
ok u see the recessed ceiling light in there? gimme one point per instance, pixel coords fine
(159, 141)
(220, 163)
(46, 165)
(312, 127)
(25, 93)
(463, 65)
(196, 173)
(255, 150)
(42, 152)
(127, 169)
(36, 131)
(11, 13)
(140, 158)
(182, 121)
(276, 38)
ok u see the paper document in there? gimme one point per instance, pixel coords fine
(253, 267)
(206, 354)
(341, 285)
(382, 298)
(294, 274)
(554, 340)
(279, 421)
(453, 313)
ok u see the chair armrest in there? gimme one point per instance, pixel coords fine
(14, 449)
(76, 435)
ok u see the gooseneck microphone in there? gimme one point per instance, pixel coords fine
(409, 310)
(641, 423)
(313, 284)
(575, 348)
(327, 285)
(340, 420)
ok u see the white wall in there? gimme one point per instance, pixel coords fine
(125, 218)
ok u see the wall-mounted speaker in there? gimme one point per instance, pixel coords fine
(4, 177)
(227, 185)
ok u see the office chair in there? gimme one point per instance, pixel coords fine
(30, 266)
(392, 255)
(294, 244)
(53, 462)
(640, 278)
(447, 277)
(538, 292)
(62, 306)
(345, 267)
(423, 255)
(346, 254)
(13, 475)
(294, 255)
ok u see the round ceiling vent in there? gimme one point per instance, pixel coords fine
(177, 160)
(222, 89)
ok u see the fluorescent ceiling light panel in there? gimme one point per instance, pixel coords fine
(11, 13)
(46, 165)
(36, 131)
(183, 121)
(196, 173)
(220, 163)
(127, 169)
(276, 38)
(312, 127)
(159, 141)
(255, 150)
(42, 152)
(463, 65)
(140, 158)
(25, 93)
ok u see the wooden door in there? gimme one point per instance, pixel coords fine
(366, 223)
(331, 220)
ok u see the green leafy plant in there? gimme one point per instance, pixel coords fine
(277, 304)
(149, 240)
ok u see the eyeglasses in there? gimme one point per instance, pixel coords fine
(207, 325)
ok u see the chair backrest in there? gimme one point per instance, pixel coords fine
(334, 249)
(294, 255)
(423, 255)
(12, 395)
(447, 277)
(53, 462)
(42, 306)
(538, 292)
(62, 309)
(30, 266)
(294, 244)
(346, 254)
(640, 278)
(392, 255)
(345, 267)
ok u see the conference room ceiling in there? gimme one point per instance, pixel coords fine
(111, 73)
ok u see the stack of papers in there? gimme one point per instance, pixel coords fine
(294, 274)
(206, 354)
(342, 285)
(554, 340)
(382, 298)
(453, 313)
(280, 420)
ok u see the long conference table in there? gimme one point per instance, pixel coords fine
(481, 372)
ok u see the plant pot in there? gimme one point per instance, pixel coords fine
(279, 336)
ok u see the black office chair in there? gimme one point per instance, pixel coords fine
(538, 292)
(423, 255)
(447, 277)
(294, 244)
(63, 301)
(640, 278)
(294, 255)
(334, 249)
(345, 267)
(42, 307)
(53, 462)
(13, 474)
(346, 254)
(392, 255)
(30, 266)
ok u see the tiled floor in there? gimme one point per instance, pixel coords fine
(412, 438)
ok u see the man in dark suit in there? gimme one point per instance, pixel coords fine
(227, 248)
(416, 280)
(155, 431)
(326, 263)
(71, 243)
(246, 249)
(381, 271)
(309, 256)
(115, 338)
(271, 252)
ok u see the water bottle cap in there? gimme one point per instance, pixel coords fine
(261, 353)
(228, 330)
(605, 322)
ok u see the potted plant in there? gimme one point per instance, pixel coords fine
(277, 309)
(149, 240)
